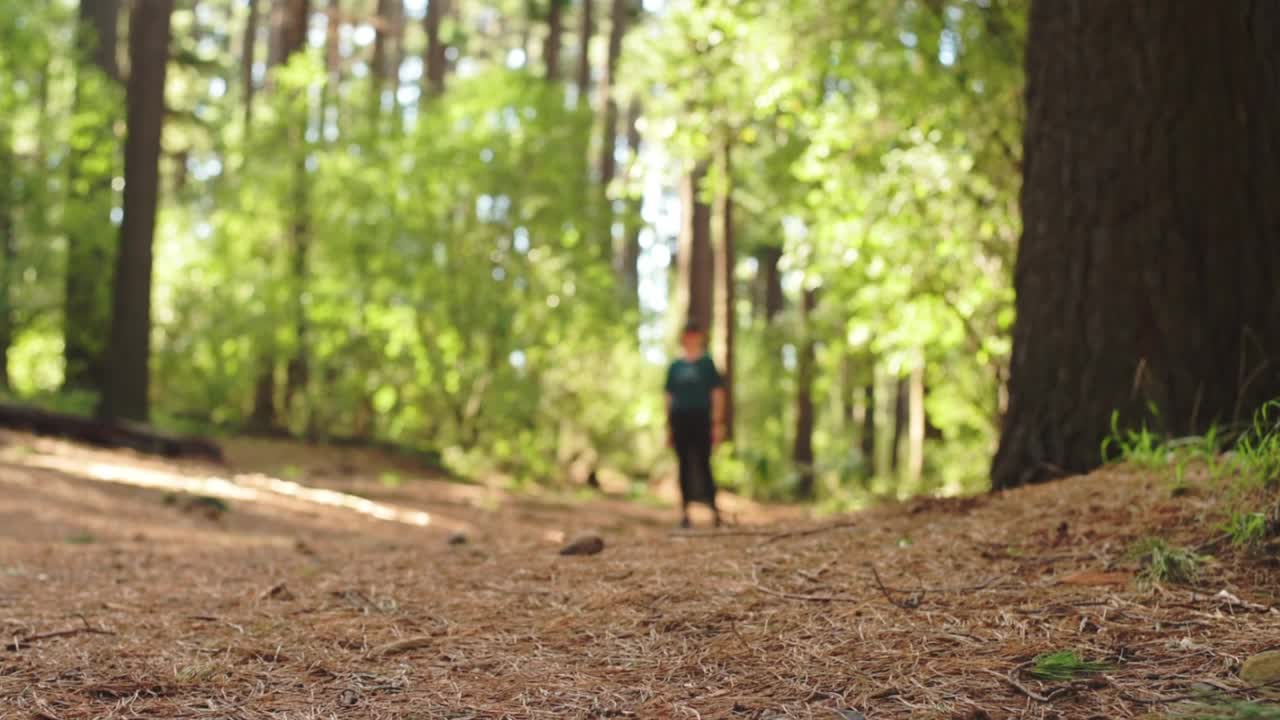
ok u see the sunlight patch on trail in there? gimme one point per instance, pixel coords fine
(251, 488)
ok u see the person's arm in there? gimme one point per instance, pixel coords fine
(667, 395)
(718, 398)
(717, 414)
(671, 437)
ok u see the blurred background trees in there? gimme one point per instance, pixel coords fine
(471, 226)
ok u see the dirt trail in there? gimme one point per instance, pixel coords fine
(114, 603)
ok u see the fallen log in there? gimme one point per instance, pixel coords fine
(117, 434)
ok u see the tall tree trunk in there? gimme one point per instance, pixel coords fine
(802, 451)
(585, 32)
(248, 56)
(915, 429)
(869, 428)
(8, 246)
(435, 61)
(128, 376)
(901, 413)
(555, 33)
(1160, 291)
(608, 104)
(770, 297)
(331, 102)
(387, 40)
(87, 321)
(728, 261)
(695, 261)
(629, 258)
(297, 370)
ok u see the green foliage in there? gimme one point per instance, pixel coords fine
(1246, 528)
(1139, 447)
(1162, 563)
(1257, 452)
(1064, 665)
(443, 267)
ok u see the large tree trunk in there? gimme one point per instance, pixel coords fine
(125, 393)
(802, 451)
(435, 61)
(87, 320)
(1146, 275)
(555, 34)
(695, 261)
(728, 261)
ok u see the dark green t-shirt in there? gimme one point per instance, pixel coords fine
(691, 383)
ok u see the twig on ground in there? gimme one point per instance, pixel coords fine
(16, 644)
(1019, 686)
(401, 646)
(805, 533)
(905, 605)
(755, 582)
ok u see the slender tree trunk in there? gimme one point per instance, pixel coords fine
(87, 321)
(609, 105)
(728, 258)
(630, 255)
(901, 411)
(555, 33)
(279, 19)
(696, 264)
(770, 291)
(248, 56)
(331, 103)
(8, 246)
(297, 370)
(435, 61)
(915, 429)
(378, 67)
(869, 428)
(128, 377)
(585, 33)
(802, 452)
(1159, 291)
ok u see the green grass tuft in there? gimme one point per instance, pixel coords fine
(1162, 563)
(1246, 529)
(1064, 665)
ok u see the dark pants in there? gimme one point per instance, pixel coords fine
(691, 435)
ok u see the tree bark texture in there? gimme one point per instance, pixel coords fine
(728, 260)
(1147, 272)
(555, 36)
(586, 30)
(695, 261)
(770, 298)
(802, 451)
(435, 60)
(128, 376)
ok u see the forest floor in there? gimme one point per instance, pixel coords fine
(123, 594)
